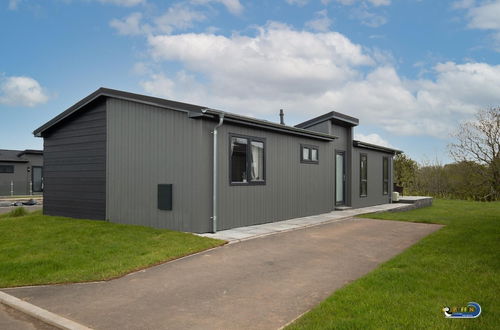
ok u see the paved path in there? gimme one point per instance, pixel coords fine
(243, 233)
(262, 283)
(10, 319)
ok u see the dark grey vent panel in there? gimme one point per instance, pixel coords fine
(165, 197)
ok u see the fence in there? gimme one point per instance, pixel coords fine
(16, 188)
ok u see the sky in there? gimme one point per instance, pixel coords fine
(410, 70)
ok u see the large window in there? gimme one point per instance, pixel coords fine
(363, 175)
(247, 160)
(309, 154)
(385, 175)
(6, 168)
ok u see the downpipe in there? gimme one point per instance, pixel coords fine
(214, 176)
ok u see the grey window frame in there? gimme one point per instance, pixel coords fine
(249, 139)
(5, 167)
(310, 147)
(385, 179)
(361, 180)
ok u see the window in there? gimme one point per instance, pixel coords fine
(247, 160)
(309, 154)
(363, 175)
(6, 168)
(37, 178)
(385, 175)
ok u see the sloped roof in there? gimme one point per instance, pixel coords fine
(11, 156)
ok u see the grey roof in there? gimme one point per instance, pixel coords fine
(336, 117)
(194, 111)
(361, 144)
(11, 156)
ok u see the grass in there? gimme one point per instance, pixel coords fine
(451, 267)
(17, 212)
(38, 249)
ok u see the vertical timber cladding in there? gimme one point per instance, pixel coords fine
(75, 165)
(150, 146)
(375, 194)
(292, 189)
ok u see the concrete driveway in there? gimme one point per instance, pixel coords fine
(262, 283)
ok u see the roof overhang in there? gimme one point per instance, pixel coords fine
(336, 117)
(193, 111)
(364, 145)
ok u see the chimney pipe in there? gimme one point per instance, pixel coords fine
(282, 115)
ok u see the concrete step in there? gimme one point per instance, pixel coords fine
(342, 208)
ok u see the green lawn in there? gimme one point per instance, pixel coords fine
(38, 249)
(451, 267)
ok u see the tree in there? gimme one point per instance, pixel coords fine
(479, 141)
(405, 169)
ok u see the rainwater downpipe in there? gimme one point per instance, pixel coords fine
(214, 176)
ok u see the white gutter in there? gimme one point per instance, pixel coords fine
(214, 175)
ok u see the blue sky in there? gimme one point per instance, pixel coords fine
(410, 70)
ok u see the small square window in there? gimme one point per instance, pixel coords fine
(309, 154)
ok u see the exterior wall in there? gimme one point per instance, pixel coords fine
(148, 146)
(21, 178)
(374, 185)
(292, 189)
(342, 144)
(75, 165)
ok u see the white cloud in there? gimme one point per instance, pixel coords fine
(21, 91)
(375, 3)
(13, 4)
(373, 139)
(299, 3)
(321, 22)
(234, 6)
(130, 25)
(309, 74)
(176, 17)
(462, 4)
(368, 18)
(485, 16)
(125, 3)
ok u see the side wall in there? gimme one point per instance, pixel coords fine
(19, 178)
(150, 146)
(375, 194)
(75, 165)
(292, 189)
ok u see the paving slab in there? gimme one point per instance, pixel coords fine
(262, 283)
(244, 233)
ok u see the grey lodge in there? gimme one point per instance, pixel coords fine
(135, 159)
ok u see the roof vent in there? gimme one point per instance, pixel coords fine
(282, 116)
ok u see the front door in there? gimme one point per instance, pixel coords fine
(339, 178)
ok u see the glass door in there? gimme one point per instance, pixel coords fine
(339, 178)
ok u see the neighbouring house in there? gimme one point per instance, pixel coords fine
(21, 172)
(135, 159)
